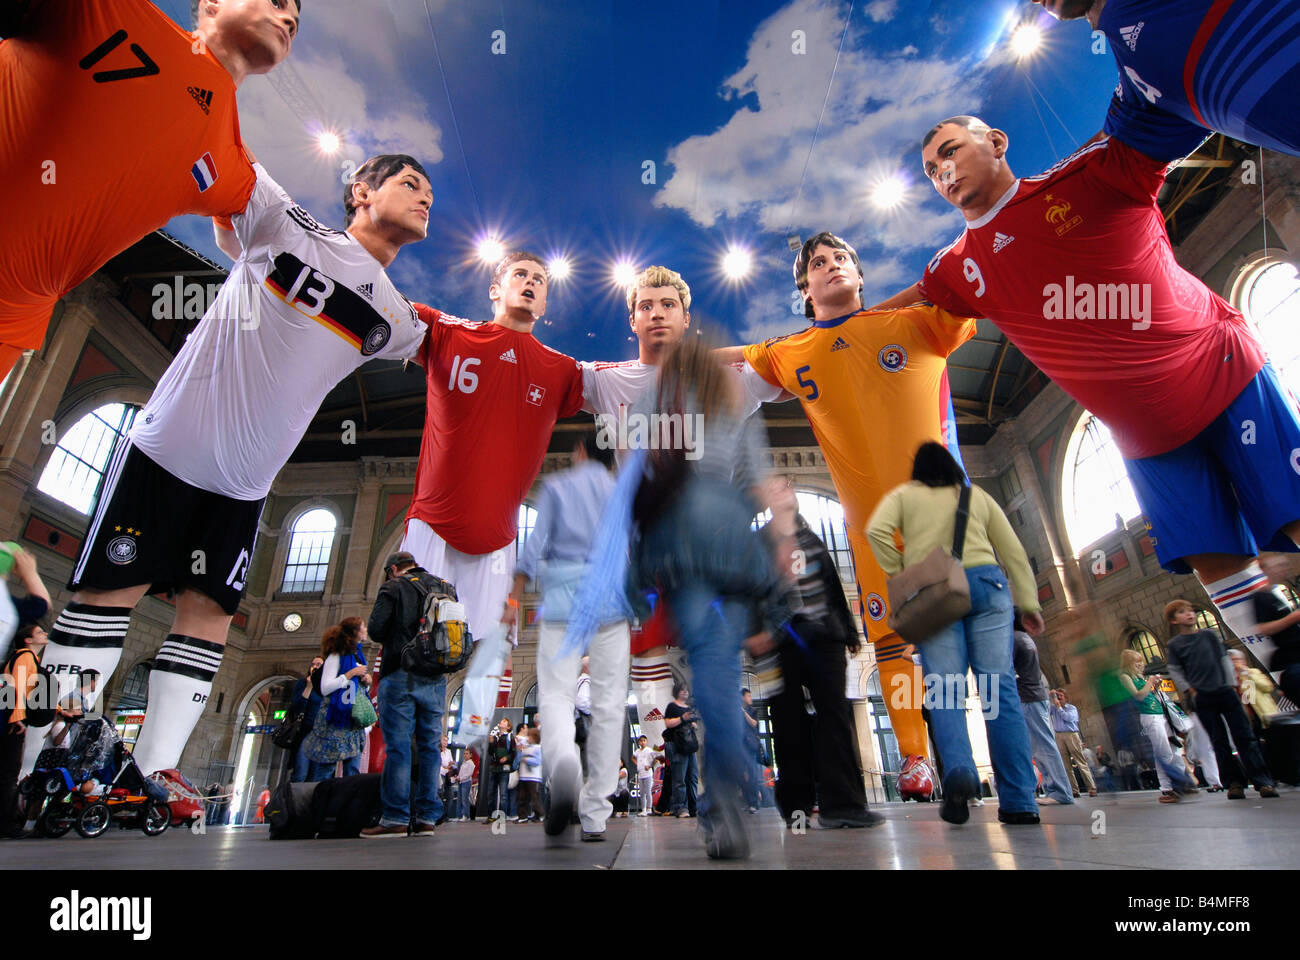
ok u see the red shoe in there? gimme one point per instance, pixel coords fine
(916, 782)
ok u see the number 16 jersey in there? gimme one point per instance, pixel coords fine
(493, 396)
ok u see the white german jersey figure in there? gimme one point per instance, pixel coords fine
(303, 307)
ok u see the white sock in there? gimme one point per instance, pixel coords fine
(1233, 598)
(179, 685)
(652, 682)
(86, 637)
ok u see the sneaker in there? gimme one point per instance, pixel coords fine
(1236, 792)
(1168, 796)
(683, 815)
(1017, 817)
(593, 836)
(384, 830)
(1076, 794)
(958, 788)
(423, 830)
(916, 779)
(564, 798)
(1269, 791)
(1091, 793)
(521, 819)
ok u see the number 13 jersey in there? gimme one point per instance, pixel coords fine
(302, 308)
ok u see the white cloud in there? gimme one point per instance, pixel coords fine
(374, 110)
(878, 110)
(882, 11)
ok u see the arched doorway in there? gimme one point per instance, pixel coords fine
(258, 763)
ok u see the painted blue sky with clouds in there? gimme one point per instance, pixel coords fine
(546, 144)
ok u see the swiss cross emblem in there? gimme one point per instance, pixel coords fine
(535, 394)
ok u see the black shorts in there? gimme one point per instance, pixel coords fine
(152, 528)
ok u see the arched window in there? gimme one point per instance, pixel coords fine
(1146, 643)
(1098, 494)
(135, 689)
(527, 520)
(825, 517)
(310, 544)
(77, 465)
(1268, 293)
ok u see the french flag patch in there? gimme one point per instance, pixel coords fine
(204, 172)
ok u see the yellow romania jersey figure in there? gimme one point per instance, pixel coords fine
(874, 384)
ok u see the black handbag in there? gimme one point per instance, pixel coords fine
(291, 732)
(687, 740)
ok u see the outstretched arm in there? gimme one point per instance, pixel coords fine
(901, 299)
(227, 242)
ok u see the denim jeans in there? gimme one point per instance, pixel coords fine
(685, 772)
(981, 641)
(325, 771)
(1042, 743)
(462, 800)
(411, 705)
(301, 766)
(500, 791)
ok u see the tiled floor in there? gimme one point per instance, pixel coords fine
(1125, 831)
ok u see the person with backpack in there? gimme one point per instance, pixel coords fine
(22, 677)
(412, 693)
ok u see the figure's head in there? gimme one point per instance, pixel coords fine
(965, 160)
(641, 741)
(519, 285)
(680, 691)
(829, 275)
(31, 635)
(746, 696)
(1178, 614)
(88, 680)
(504, 726)
(659, 307)
(587, 447)
(392, 193)
(1131, 660)
(1276, 567)
(1067, 9)
(261, 31)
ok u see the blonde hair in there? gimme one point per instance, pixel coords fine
(1130, 659)
(659, 277)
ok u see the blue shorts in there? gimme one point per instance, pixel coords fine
(1232, 487)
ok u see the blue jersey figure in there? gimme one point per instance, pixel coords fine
(1188, 65)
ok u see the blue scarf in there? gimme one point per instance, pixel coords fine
(340, 706)
(605, 587)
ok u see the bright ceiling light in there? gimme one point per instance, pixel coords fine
(328, 142)
(624, 273)
(491, 250)
(737, 263)
(559, 268)
(1026, 40)
(889, 193)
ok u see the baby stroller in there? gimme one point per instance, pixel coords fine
(64, 783)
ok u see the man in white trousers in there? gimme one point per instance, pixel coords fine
(569, 507)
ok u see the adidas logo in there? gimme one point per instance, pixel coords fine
(202, 97)
(508, 356)
(1130, 34)
(367, 290)
(654, 714)
(1000, 240)
(839, 344)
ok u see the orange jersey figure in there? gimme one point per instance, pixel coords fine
(113, 120)
(875, 387)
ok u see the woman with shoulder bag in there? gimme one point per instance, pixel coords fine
(343, 681)
(21, 675)
(1151, 713)
(925, 513)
